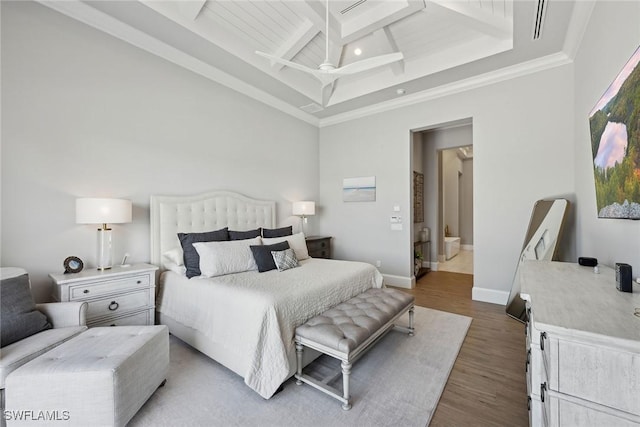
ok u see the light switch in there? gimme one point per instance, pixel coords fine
(396, 208)
(396, 219)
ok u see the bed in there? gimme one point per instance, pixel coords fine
(244, 320)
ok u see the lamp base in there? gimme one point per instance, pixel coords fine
(104, 249)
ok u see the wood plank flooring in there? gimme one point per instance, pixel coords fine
(487, 386)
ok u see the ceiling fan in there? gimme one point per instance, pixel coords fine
(327, 72)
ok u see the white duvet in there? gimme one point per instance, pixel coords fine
(257, 313)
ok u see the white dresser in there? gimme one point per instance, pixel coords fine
(118, 296)
(583, 346)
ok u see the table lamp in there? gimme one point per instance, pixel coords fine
(103, 211)
(304, 209)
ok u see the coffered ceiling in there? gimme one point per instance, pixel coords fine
(441, 42)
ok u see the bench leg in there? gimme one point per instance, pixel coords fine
(299, 350)
(411, 329)
(346, 372)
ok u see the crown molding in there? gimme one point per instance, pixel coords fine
(101, 21)
(522, 69)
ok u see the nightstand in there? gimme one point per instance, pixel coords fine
(319, 246)
(118, 296)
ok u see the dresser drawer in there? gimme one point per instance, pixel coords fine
(118, 304)
(564, 411)
(591, 372)
(140, 318)
(99, 288)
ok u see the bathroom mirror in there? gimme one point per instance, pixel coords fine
(540, 243)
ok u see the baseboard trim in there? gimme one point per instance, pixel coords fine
(466, 247)
(489, 295)
(434, 266)
(399, 281)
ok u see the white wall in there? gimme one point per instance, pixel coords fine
(523, 151)
(85, 114)
(612, 35)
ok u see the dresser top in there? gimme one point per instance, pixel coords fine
(94, 274)
(573, 300)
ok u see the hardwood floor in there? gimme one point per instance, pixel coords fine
(487, 386)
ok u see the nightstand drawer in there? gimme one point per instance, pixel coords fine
(97, 289)
(319, 247)
(118, 304)
(140, 318)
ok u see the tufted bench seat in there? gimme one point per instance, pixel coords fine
(348, 330)
(102, 377)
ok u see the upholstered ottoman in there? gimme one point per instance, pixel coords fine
(100, 378)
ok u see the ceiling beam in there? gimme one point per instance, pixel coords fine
(315, 12)
(474, 17)
(384, 38)
(191, 8)
(290, 48)
(383, 14)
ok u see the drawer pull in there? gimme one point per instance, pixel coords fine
(139, 281)
(543, 335)
(543, 388)
(113, 306)
(86, 291)
(526, 365)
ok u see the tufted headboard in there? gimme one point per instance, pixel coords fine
(204, 212)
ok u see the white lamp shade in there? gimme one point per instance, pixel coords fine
(304, 208)
(103, 211)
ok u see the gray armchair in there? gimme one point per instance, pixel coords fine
(68, 319)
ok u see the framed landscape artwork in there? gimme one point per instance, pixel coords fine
(362, 189)
(615, 144)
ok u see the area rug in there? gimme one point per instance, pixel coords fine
(398, 382)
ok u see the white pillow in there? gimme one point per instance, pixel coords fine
(174, 256)
(219, 258)
(296, 242)
(180, 269)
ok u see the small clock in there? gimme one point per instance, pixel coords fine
(73, 264)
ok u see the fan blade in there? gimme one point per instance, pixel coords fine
(367, 64)
(288, 63)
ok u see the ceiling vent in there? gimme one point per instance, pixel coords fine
(541, 11)
(352, 6)
(312, 108)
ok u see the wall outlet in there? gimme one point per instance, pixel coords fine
(378, 263)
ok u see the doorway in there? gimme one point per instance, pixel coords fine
(444, 156)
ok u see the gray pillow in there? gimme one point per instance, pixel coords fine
(243, 235)
(191, 257)
(18, 315)
(262, 255)
(277, 232)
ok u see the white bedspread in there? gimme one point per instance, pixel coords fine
(257, 313)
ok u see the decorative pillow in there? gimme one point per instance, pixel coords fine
(262, 255)
(241, 235)
(277, 232)
(18, 315)
(296, 242)
(174, 256)
(219, 258)
(285, 260)
(191, 257)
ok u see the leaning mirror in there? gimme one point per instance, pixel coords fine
(540, 243)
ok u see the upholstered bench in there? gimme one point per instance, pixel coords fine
(348, 330)
(102, 377)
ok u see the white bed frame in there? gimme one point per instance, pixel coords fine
(205, 212)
